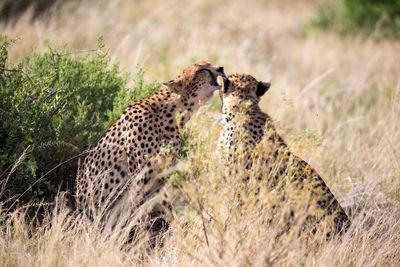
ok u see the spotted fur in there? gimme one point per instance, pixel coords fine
(125, 161)
(240, 96)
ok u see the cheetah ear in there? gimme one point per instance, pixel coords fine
(175, 86)
(262, 87)
(224, 83)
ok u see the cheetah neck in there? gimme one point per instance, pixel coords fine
(168, 103)
(238, 114)
(256, 124)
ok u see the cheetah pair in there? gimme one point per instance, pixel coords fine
(123, 167)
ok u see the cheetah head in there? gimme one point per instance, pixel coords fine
(196, 85)
(241, 88)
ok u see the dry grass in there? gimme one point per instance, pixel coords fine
(336, 101)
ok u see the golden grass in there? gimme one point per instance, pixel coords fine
(336, 101)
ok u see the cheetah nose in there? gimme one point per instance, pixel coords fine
(221, 70)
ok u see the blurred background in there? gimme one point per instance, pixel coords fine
(334, 65)
(335, 98)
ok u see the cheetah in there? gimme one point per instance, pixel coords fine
(121, 164)
(240, 95)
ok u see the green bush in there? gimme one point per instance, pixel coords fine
(377, 18)
(53, 105)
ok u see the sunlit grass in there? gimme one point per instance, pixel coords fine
(222, 220)
(335, 101)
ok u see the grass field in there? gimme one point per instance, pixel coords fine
(336, 101)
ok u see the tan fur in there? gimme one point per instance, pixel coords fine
(241, 111)
(129, 155)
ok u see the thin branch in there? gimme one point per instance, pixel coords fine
(53, 82)
(54, 61)
(21, 71)
(10, 70)
(79, 52)
(203, 223)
